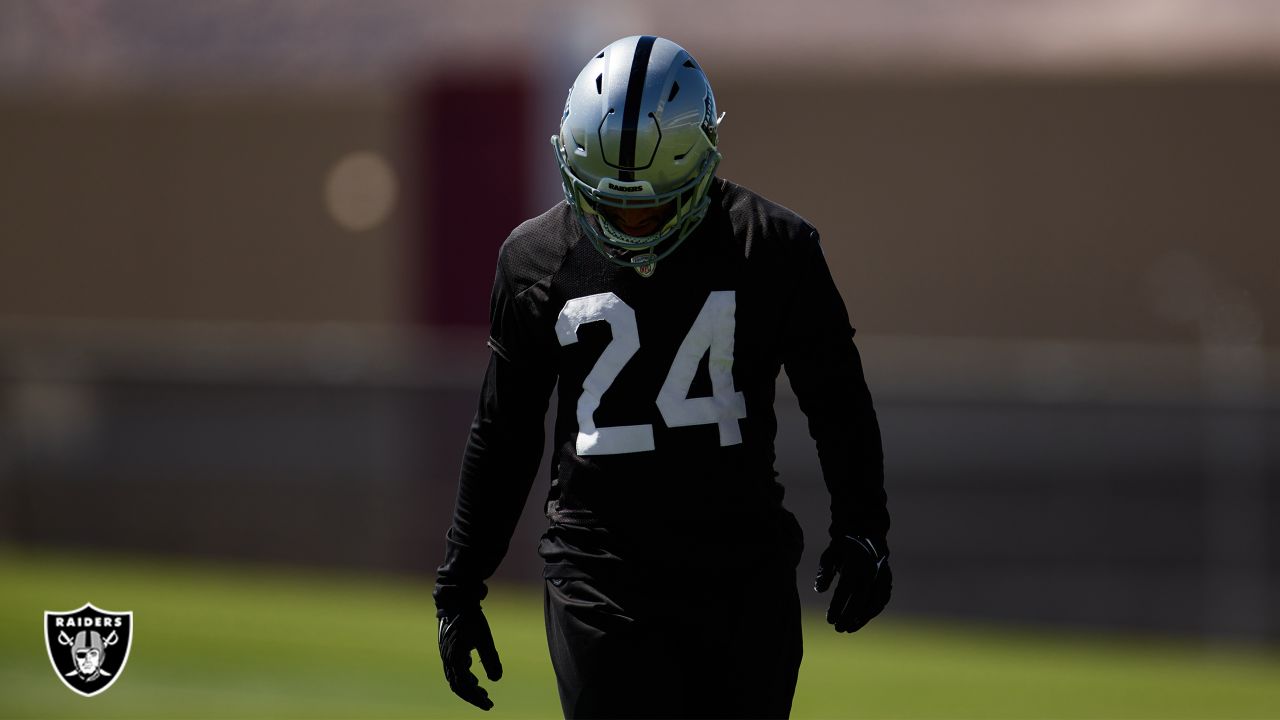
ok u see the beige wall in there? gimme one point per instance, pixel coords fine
(210, 208)
(1087, 208)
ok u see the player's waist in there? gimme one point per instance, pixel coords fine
(645, 519)
(669, 541)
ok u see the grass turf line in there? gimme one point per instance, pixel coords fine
(219, 641)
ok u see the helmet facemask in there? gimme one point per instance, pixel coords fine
(691, 202)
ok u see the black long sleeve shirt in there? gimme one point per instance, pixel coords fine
(664, 435)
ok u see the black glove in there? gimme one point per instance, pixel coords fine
(865, 581)
(460, 633)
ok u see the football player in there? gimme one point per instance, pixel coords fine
(664, 301)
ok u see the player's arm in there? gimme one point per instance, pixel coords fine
(826, 375)
(501, 459)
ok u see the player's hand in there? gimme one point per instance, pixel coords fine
(460, 633)
(865, 581)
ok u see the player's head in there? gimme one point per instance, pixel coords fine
(637, 148)
(88, 650)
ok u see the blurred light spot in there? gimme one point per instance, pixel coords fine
(360, 191)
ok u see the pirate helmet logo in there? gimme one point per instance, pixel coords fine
(88, 647)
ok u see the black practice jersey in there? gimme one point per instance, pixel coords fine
(663, 443)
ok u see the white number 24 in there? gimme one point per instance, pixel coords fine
(712, 331)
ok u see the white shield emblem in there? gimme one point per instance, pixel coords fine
(88, 647)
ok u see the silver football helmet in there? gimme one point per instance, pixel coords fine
(639, 130)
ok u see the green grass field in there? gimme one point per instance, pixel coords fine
(237, 642)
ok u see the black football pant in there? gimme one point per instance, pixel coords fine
(724, 644)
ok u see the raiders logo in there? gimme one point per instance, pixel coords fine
(88, 647)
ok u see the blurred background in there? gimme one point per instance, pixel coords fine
(246, 251)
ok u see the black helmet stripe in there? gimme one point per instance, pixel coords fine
(631, 110)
